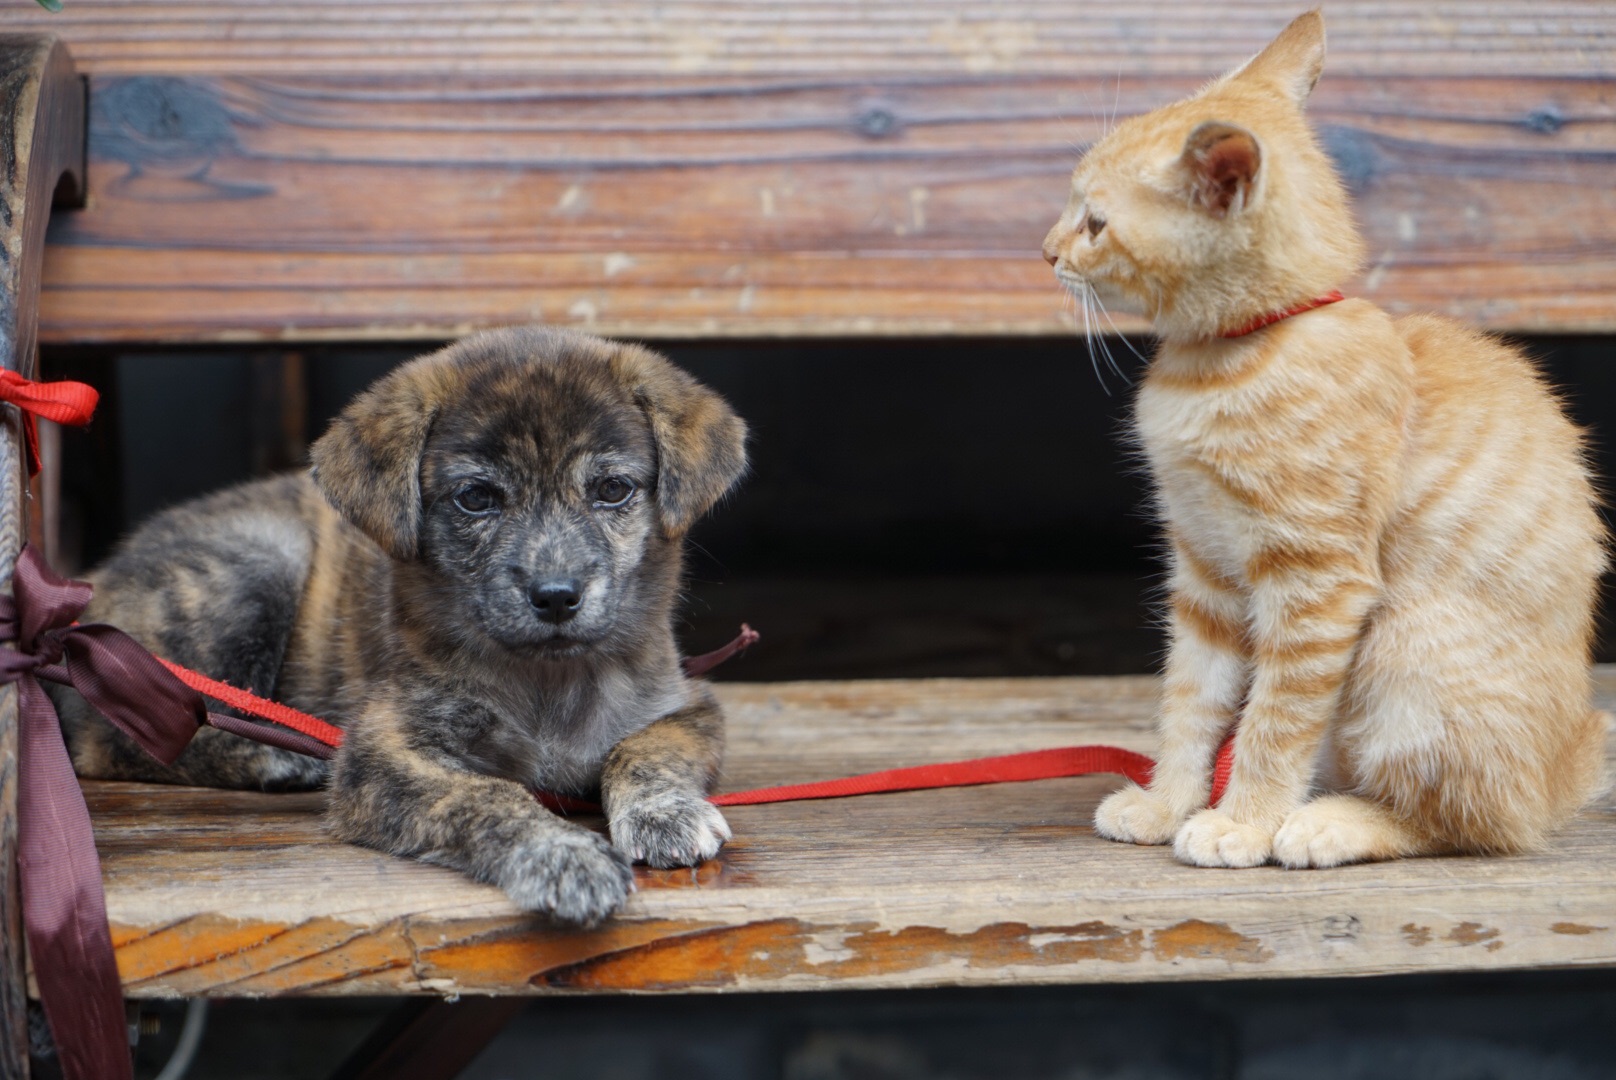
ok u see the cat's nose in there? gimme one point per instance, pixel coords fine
(1051, 256)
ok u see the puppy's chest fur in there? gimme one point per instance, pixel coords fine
(550, 730)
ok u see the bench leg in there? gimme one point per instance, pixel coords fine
(430, 1040)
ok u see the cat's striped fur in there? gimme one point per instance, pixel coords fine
(1384, 542)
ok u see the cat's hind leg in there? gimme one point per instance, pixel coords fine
(1333, 830)
(1448, 746)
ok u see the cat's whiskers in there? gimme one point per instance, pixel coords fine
(1137, 354)
(1092, 300)
(1090, 327)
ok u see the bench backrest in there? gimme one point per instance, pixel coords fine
(360, 169)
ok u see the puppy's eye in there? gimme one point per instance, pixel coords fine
(476, 498)
(613, 491)
(1096, 225)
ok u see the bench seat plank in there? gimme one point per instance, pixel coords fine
(222, 893)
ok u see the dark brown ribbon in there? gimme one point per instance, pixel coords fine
(695, 666)
(64, 909)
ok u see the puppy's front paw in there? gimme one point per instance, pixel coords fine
(673, 828)
(575, 877)
(1213, 838)
(1135, 816)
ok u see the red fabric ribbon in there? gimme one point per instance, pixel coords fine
(64, 402)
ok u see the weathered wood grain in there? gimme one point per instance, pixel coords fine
(227, 893)
(411, 206)
(1150, 37)
(41, 145)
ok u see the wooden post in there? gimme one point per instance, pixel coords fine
(42, 104)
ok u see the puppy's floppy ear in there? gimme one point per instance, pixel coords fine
(700, 442)
(368, 463)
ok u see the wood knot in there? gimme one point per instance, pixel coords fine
(146, 119)
(876, 122)
(1545, 121)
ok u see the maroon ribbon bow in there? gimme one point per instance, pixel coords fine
(64, 909)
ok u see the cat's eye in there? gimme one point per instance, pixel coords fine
(613, 491)
(1096, 225)
(476, 499)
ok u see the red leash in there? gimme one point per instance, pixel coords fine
(72, 403)
(1006, 769)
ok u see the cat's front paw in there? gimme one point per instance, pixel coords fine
(1135, 816)
(672, 828)
(1213, 838)
(574, 877)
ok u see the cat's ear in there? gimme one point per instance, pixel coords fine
(1220, 163)
(1293, 61)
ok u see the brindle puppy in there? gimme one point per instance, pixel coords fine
(477, 581)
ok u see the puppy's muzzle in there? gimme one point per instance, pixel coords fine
(556, 600)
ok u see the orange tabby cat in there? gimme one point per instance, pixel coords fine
(1384, 544)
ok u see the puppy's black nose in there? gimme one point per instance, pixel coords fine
(556, 601)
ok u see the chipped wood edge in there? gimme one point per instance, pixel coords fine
(1146, 940)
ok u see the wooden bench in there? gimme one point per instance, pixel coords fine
(293, 173)
(219, 893)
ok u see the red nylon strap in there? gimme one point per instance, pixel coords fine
(329, 734)
(1006, 769)
(1009, 768)
(1063, 761)
(64, 402)
(248, 702)
(1334, 296)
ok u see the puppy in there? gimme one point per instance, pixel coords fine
(476, 581)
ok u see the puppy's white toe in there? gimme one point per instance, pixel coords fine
(576, 877)
(674, 828)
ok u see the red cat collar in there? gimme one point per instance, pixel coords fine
(1331, 297)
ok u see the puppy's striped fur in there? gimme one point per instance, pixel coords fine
(396, 591)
